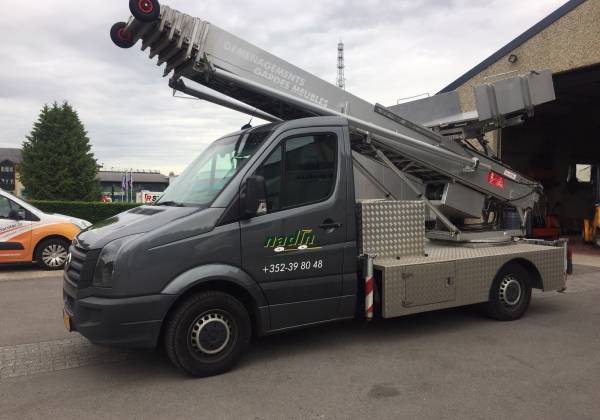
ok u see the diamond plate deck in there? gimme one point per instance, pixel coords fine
(474, 272)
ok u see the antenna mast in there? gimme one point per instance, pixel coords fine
(341, 80)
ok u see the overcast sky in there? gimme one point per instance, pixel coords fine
(61, 50)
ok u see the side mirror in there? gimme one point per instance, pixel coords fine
(254, 197)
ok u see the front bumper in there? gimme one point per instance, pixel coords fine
(123, 322)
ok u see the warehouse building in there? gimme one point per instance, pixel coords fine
(562, 141)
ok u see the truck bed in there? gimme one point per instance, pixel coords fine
(448, 276)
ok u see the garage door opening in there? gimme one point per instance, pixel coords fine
(560, 147)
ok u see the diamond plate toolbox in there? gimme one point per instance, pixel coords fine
(391, 229)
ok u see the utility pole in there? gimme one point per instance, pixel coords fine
(341, 80)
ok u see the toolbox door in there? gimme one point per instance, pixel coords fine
(426, 284)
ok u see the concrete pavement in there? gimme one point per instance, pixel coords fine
(445, 364)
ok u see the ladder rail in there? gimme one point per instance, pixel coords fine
(259, 83)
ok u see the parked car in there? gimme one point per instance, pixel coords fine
(27, 234)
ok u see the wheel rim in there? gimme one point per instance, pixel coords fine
(54, 255)
(123, 35)
(510, 291)
(211, 333)
(146, 6)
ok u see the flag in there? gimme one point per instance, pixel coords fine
(132, 198)
(124, 186)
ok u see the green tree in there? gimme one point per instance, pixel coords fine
(57, 162)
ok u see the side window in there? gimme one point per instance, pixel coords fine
(4, 208)
(300, 171)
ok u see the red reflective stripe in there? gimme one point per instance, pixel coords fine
(370, 310)
(369, 285)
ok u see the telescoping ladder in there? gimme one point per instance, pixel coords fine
(236, 74)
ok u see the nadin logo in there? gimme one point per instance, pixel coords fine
(301, 240)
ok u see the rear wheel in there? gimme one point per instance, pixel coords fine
(120, 36)
(145, 10)
(207, 334)
(510, 294)
(51, 254)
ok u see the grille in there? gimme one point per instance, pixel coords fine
(78, 259)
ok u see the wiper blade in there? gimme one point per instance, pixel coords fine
(170, 204)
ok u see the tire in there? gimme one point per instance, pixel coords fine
(207, 334)
(510, 294)
(145, 10)
(51, 254)
(120, 37)
(596, 239)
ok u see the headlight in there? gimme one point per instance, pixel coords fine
(105, 267)
(81, 224)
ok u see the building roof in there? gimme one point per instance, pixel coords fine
(521, 39)
(138, 177)
(12, 154)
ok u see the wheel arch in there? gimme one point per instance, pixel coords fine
(45, 238)
(223, 278)
(531, 268)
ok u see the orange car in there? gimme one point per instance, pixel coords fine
(27, 234)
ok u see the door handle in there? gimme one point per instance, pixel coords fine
(330, 224)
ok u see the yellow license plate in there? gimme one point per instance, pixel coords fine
(67, 321)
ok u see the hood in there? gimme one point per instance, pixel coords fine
(138, 220)
(55, 217)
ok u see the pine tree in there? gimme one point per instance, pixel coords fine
(57, 162)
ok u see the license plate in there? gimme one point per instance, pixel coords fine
(67, 321)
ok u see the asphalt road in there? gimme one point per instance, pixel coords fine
(449, 364)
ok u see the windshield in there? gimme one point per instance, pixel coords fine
(206, 177)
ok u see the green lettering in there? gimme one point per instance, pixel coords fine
(270, 242)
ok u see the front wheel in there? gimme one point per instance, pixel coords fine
(207, 334)
(51, 254)
(510, 294)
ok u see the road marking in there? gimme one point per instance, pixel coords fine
(52, 356)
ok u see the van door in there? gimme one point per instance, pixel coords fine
(15, 232)
(295, 251)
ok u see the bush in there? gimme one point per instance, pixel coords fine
(93, 212)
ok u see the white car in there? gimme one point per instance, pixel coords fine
(27, 234)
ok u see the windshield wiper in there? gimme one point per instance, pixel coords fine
(170, 204)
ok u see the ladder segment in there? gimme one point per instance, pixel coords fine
(235, 73)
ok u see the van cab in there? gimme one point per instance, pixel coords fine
(27, 234)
